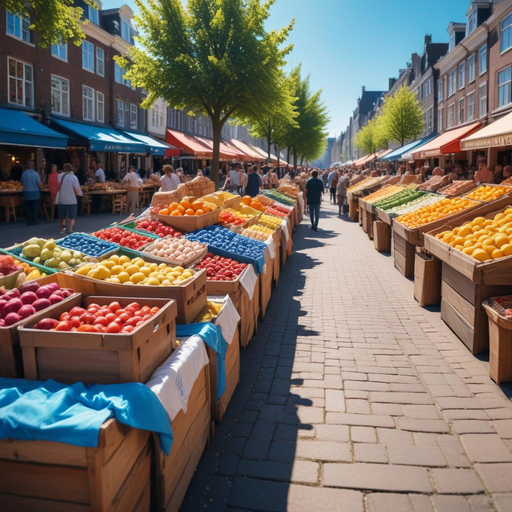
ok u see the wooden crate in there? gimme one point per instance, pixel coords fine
(352, 207)
(99, 358)
(189, 223)
(404, 254)
(191, 432)
(462, 310)
(265, 287)
(190, 297)
(363, 216)
(285, 248)
(500, 346)
(427, 279)
(276, 261)
(11, 362)
(382, 236)
(47, 476)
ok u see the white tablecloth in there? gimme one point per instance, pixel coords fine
(249, 280)
(228, 317)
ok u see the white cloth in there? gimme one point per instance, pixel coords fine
(169, 183)
(248, 280)
(172, 382)
(271, 246)
(228, 318)
(234, 176)
(69, 188)
(132, 179)
(284, 229)
(100, 174)
(300, 198)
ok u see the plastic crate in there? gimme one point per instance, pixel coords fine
(107, 247)
(15, 251)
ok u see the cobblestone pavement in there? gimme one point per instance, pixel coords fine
(353, 398)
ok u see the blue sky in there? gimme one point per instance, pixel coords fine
(345, 44)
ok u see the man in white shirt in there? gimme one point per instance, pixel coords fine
(69, 189)
(100, 174)
(234, 179)
(169, 181)
(134, 182)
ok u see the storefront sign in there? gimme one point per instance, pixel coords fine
(489, 142)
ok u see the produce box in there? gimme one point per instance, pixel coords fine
(265, 286)
(125, 237)
(189, 223)
(50, 476)
(500, 338)
(15, 251)
(156, 228)
(87, 244)
(197, 251)
(384, 216)
(368, 217)
(427, 279)
(457, 188)
(353, 206)
(99, 358)
(382, 236)
(403, 254)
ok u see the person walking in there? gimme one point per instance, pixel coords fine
(233, 181)
(53, 186)
(341, 191)
(169, 181)
(332, 181)
(273, 179)
(313, 197)
(134, 184)
(69, 189)
(253, 182)
(31, 182)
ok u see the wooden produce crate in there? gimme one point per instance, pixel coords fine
(189, 223)
(404, 254)
(191, 432)
(382, 236)
(99, 358)
(384, 217)
(462, 309)
(190, 297)
(265, 286)
(232, 377)
(500, 346)
(368, 217)
(11, 362)
(276, 261)
(352, 206)
(48, 476)
(427, 279)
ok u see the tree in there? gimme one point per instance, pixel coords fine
(402, 116)
(54, 20)
(213, 56)
(371, 136)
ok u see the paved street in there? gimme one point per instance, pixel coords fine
(353, 398)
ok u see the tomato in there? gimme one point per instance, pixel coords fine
(110, 317)
(104, 311)
(77, 311)
(113, 327)
(75, 321)
(93, 306)
(86, 328)
(93, 311)
(99, 327)
(133, 305)
(120, 311)
(114, 306)
(154, 310)
(87, 318)
(134, 321)
(145, 310)
(64, 326)
(64, 317)
(124, 317)
(101, 320)
(147, 317)
(139, 313)
(128, 328)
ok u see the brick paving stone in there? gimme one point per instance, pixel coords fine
(457, 481)
(389, 436)
(496, 477)
(486, 448)
(334, 400)
(363, 435)
(415, 425)
(384, 502)
(338, 433)
(451, 504)
(324, 450)
(429, 456)
(370, 453)
(503, 502)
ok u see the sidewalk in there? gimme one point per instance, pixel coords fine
(353, 398)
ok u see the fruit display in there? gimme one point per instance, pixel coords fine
(457, 188)
(256, 234)
(502, 306)
(508, 181)
(402, 197)
(179, 251)
(434, 183)
(219, 268)
(157, 227)
(87, 244)
(111, 319)
(483, 238)
(487, 193)
(123, 237)
(270, 221)
(358, 183)
(264, 200)
(290, 190)
(420, 202)
(8, 265)
(30, 272)
(48, 253)
(279, 196)
(436, 211)
(232, 217)
(108, 185)
(263, 229)
(136, 271)
(253, 203)
(218, 198)
(275, 212)
(210, 312)
(384, 192)
(367, 184)
(25, 301)
(11, 185)
(186, 208)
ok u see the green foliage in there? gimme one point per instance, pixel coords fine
(54, 20)
(371, 137)
(402, 116)
(212, 56)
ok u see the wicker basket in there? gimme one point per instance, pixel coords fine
(198, 187)
(165, 198)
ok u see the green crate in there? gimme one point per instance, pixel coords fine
(15, 251)
(130, 226)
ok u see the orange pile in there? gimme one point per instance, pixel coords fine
(487, 193)
(253, 203)
(185, 208)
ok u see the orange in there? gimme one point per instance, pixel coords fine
(164, 211)
(197, 205)
(180, 209)
(173, 206)
(199, 212)
(247, 200)
(206, 209)
(176, 213)
(189, 211)
(185, 204)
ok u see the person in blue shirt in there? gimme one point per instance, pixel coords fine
(31, 182)
(313, 197)
(253, 182)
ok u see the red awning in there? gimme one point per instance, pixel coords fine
(188, 144)
(245, 148)
(445, 144)
(225, 152)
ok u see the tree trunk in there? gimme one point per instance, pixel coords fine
(278, 153)
(214, 171)
(288, 155)
(269, 142)
(295, 158)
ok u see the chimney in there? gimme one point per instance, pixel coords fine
(428, 38)
(364, 89)
(392, 82)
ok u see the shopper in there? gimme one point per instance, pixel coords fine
(273, 179)
(253, 182)
(313, 197)
(341, 191)
(507, 172)
(233, 181)
(31, 193)
(169, 181)
(53, 185)
(134, 184)
(483, 175)
(69, 189)
(331, 185)
(99, 174)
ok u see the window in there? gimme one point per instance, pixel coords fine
(452, 82)
(88, 56)
(471, 69)
(451, 116)
(133, 116)
(440, 119)
(460, 111)
(21, 83)
(88, 103)
(120, 113)
(440, 84)
(125, 31)
(471, 106)
(430, 120)
(506, 33)
(60, 95)
(452, 41)
(100, 107)
(482, 101)
(118, 73)
(482, 59)
(462, 75)
(504, 87)
(94, 15)
(471, 24)
(100, 61)
(60, 51)
(17, 26)
(427, 88)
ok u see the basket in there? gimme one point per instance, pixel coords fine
(166, 198)
(189, 223)
(198, 187)
(184, 264)
(9, 281)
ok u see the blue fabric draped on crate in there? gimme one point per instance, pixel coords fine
(212, 336)
(33, 410)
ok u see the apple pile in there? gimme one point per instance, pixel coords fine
(219, 268)
(157, 227)
(110, 319)
(28, 299)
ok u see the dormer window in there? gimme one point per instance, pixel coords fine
(93, 13)
(452, 41)
(472, 22)
(126, 32)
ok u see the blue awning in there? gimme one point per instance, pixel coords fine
(397, 154)
(99, 138)
(17, 128)
(153, 146)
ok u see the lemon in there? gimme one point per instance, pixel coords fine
(123, 277)
(124, 259)
(161, 278)
(469, 243)
(116, 269)
(468, 250)
(188, 273)
(478, 221)
(162, 266)
(108, 263)
(488, 241)
(500, 240)
(137, 277)
(465, 231)
(114, 280)
(153, 281)
(489, 248)
(497, 254)
(506, 249)
(83, 271)
(508, 211)
(132, 269)
(145, 271)
(115, 258)
(140, 263)
(94, 273)
(103, 272)
(153, 267)
(481, 255)
(179, 269)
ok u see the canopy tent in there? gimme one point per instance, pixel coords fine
(445, 144)
(264, 155)
(398, 154)
(189, 144)
(154, 147)
(225, 152)
(370, 158)
(248, 150)
(495, 135)
(99, 138)
(17, 128)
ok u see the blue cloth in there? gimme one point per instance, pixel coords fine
(314, 214)
(212, 336)
(315, 188)
(33, 410)
(31, 181)
(253, 185)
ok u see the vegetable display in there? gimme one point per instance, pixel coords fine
(157, 227)
(402, 197)
(384, 192)
(48, 253)
(87, 244)
(123, 237)
(278, 196)
(219, 268)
